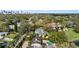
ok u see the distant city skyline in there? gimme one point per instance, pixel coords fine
(40, 11)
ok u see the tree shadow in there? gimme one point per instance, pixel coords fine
(76, 42)
(75, 31)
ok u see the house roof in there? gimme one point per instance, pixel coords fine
(36, 45)
(40, 31)
(36, 39)
(1, 33)
(54, 25)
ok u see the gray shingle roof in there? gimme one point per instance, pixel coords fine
(1, 33)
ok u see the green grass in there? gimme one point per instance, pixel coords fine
(72, 35)
(12, 35)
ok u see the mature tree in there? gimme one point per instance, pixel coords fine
(58, 37)
(77, 25)
(24, 26)
(3, 26)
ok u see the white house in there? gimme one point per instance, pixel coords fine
(11, 26)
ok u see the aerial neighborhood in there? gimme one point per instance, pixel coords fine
(38, 30)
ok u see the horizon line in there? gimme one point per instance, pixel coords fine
(42, 11)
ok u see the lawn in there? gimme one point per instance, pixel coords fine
(72, 35)
(12, 35)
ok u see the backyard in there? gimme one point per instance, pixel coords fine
(72, 35)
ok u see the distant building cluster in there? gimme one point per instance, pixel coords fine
(14, 12)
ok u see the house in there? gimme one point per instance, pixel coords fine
(40, 32)
(59, 25)
(3, 33)
(5, 38)
(36, 42)
(8, 39)
(11, 27)
(55, 26)
(2, 36)
(71, 24)
(3, 44)
(65, 29)
(52, 25)
(18, 24)
(36, 45)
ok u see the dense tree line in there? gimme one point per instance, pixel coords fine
(30, 22)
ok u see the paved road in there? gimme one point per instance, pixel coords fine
(20, 40)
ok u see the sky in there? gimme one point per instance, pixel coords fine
(63, 6)
(39, 4)
(54, 11)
